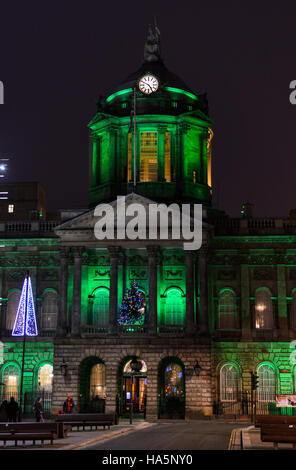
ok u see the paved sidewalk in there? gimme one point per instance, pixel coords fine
(249, 439)
(79, 439)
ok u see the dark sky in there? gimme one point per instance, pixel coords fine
(57, 57)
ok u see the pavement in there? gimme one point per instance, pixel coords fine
(80, 439)
(248, 438)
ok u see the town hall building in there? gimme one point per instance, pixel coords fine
(210, 317)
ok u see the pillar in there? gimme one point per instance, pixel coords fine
(203, 324)
(189, 256)
(113, 301)
(152, 279)
(76, 306)
(63, 292)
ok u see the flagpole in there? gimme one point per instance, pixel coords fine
(135, 143)
(24, 348)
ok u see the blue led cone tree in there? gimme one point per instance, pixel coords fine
(25, 325)
(25, 321)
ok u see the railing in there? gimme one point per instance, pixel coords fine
(253, 225)
(28, 226)
(94, 330)
(171, 330)
(132, 329)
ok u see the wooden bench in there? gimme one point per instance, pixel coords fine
(84, 419)
(284, 433)
(27, 431)
(269, 419)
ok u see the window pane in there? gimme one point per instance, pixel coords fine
(49, 310)
(228, 383)
(263, 309)
(45, 378)
(12, 306)
(11, 377)
(174, 308)
(267, 383)
(227, 310)
(148, 157)
(101, 307)
(173, 380)
(98, 382)
(167, 157)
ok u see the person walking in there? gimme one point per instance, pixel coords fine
(12, 409)
(38, 410)
(68, 405)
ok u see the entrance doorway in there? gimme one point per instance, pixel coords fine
(134, 390)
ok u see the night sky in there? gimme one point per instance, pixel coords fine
(57, 57)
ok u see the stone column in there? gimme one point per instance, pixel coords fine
(203, 323)
(152, 276)
(246, 317)
(282, 302)
(3, 307)
(76, 306)
(189, 255)
(113, 300)
(63, 292)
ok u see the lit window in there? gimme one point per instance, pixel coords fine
(148, 156)
(49, 310)
(194, 176)
(98, 382)
(174, 313)
(263, 309)
(45, 378)
(174, 104)
(190, 108)
(10, 208)
(167, 157)
(227, 316)
(123, 105)
(100, 311)
(228, 383)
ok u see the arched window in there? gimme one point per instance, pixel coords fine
(45, 378)
(227, 312)
(12, 306)
(173, 381)
(49, 310)
(267, 383)
(293, 310)
(263, 308)
(228, 383)
(11, 382)
(100, 311)
(174, 312)
(98, 382)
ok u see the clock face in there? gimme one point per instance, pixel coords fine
(148, 84)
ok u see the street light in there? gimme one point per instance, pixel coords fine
(135, 366)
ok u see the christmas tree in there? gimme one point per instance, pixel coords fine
(132, 310)
(25, 322)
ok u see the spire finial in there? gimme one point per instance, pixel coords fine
(152, 45)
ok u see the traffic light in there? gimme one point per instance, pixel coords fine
(255, 381)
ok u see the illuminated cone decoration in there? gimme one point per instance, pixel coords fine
(25, 322)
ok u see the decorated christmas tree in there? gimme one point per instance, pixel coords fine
(132, 310)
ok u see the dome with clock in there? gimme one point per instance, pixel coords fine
(151, 135)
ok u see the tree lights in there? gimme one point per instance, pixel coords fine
(25, 322)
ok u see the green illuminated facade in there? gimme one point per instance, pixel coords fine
(211, 317)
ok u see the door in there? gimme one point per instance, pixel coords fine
(134, 391)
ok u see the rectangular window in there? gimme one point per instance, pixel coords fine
(167, 157)
(148, 156)
(129, 157)
(10, 208)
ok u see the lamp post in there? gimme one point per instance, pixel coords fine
(135, 366)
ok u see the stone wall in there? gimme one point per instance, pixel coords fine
(198, 388)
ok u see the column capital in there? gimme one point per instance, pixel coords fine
(78, 251)
(114, 251)
(64, 251)
(152, 250)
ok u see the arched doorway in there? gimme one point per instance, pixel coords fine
(171, 388)
(92, 385)
(133, 388)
